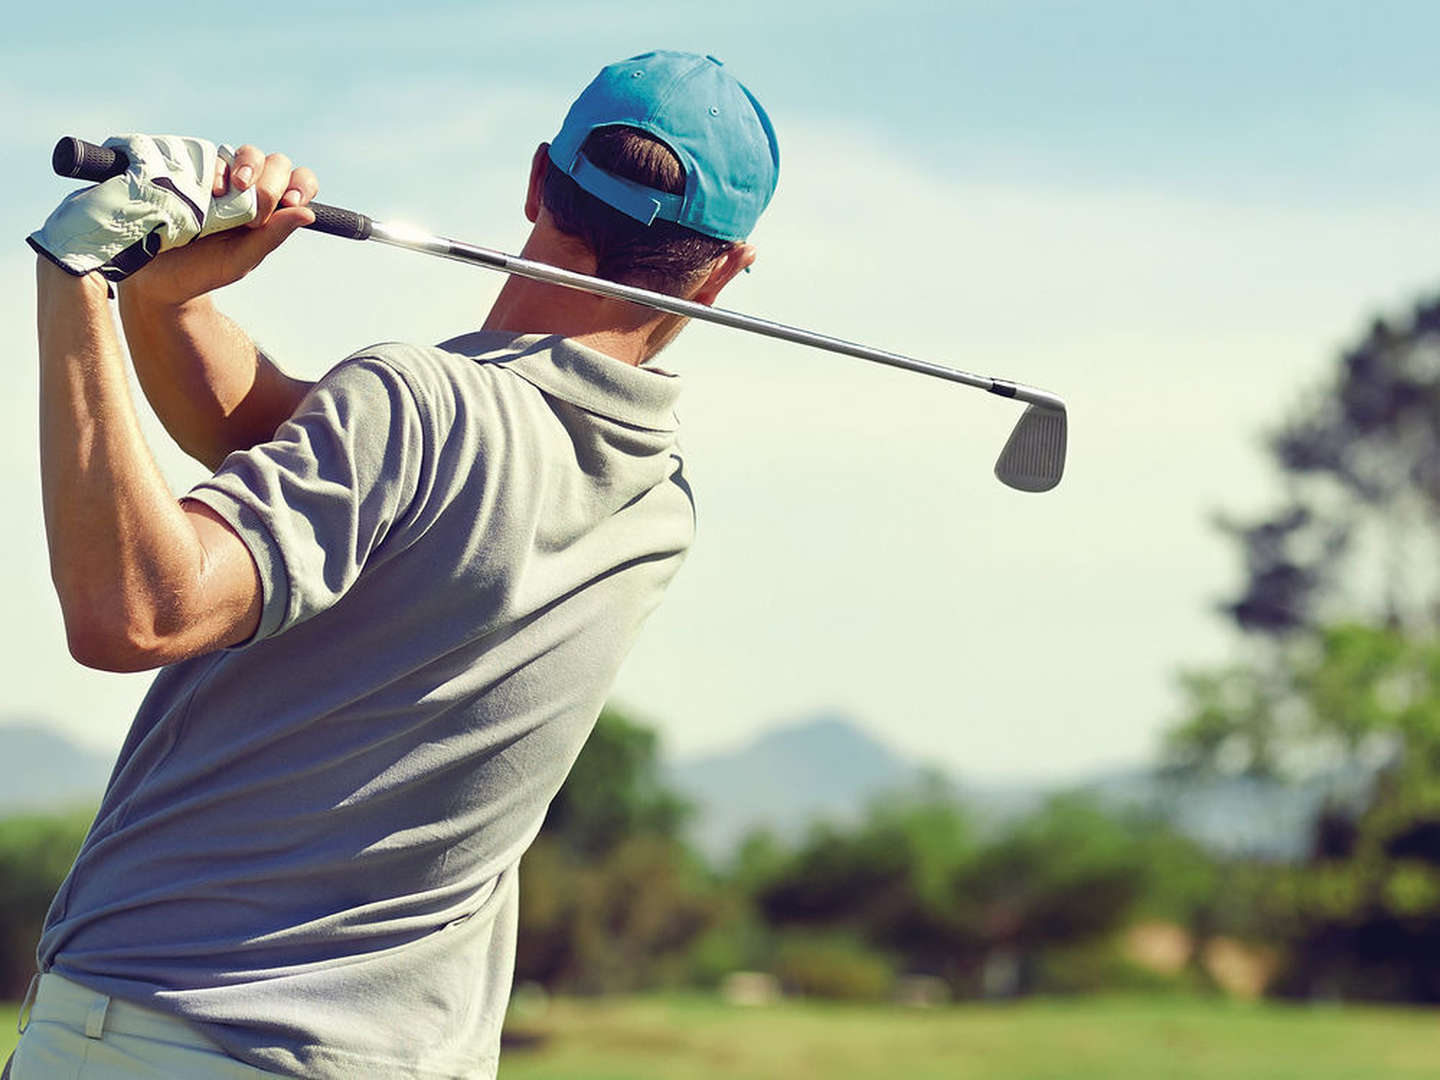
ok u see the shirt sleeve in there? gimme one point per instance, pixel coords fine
(315, 503)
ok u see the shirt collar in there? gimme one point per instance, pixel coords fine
(642, 396)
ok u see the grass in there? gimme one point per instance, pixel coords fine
(1089, 1039)
(698, 1038)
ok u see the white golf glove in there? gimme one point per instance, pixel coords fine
(162, 201)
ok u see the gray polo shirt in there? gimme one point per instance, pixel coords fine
(308, 847)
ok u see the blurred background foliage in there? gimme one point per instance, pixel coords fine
(615, 901)
(1340, 612)
(35, 853)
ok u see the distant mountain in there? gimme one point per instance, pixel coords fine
(1238, 815)
(827, 768)
(40, 770)
(824, 768)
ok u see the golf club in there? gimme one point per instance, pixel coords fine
(1033, 458)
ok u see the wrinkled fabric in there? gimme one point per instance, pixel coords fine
(308, 846)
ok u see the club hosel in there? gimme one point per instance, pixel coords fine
(1031, 395)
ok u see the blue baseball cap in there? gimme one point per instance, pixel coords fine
(704, 115)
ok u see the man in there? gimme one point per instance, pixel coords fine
(390, 618)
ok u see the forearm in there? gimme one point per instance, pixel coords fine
(124, 555)
(213, 390)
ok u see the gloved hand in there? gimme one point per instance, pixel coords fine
(162, 201)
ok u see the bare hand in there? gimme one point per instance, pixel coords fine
(212, 262)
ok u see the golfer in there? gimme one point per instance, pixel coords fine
(387, 622)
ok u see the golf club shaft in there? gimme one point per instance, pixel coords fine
(402, 236)
(83, 160)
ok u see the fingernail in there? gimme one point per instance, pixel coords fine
(291, 197)
(243, 175)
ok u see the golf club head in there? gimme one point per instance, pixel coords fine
(1034, 455)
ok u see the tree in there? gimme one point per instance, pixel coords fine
(35, 854)
(1066, 874)
(915, 882)
(1342, 585)
(610, 898)
(1353, 548)
(614, 791)
(887, 882)
(1359, 532)
(1349, 696)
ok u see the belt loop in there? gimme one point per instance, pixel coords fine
(95, 1018)
(22, 1018)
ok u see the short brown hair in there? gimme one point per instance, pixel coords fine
(662, 256)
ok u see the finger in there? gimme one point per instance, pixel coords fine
(247, 166)
(221, 183)
(303, 187)
(274, 178)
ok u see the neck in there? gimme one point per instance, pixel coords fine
(618, 329)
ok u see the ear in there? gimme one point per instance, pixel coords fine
(538, 164)
(726, 267)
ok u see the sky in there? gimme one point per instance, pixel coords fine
(1172, 215)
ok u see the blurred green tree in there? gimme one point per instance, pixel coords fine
(614, 791)
(887, 881)
(1068, 873)
(1342, 582)
(1356, 535)
(916, 881)
(1341, 598)
(1363, 916)
(610, 898)
(35, 854)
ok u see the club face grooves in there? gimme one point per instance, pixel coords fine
(1034, 455)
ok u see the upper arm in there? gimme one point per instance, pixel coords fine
(216, 604)
(229, 589)
(210, 385)
(269, 402)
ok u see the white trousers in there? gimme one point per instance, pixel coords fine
(76, 1034)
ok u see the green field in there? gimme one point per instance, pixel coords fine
(1174, 1039)
(698, 1038)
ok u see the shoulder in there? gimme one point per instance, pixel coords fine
(424, 375)
(442, 387)
(399, 359)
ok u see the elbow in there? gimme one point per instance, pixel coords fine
(101, 634)
(110, 649)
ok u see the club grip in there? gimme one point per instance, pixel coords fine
(337, 221)
(86, 161)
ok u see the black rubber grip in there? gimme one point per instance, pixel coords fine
(337, 221)
(86, 161)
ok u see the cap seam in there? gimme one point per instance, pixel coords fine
(664, 97)
(692, 208)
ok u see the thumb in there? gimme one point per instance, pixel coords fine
(283, 222)
(256, 243)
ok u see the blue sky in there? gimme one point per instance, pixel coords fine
(1235, 94)
(1172, 214)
